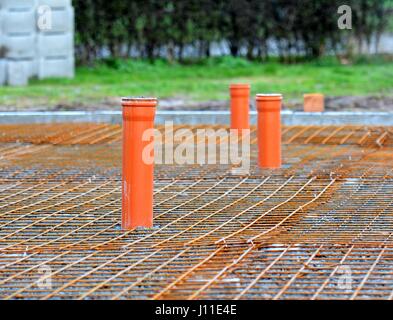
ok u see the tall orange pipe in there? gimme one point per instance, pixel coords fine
(269, 130)
(137, 186)
(240, 106)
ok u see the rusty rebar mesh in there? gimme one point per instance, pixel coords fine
(319, 228)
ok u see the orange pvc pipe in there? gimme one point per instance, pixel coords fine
(240, 106)
(269, 130)
(314, 102)
(137, 186)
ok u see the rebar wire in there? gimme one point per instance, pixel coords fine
(319, 228)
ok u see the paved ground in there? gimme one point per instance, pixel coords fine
(345, 103)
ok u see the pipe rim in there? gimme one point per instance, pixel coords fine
(139, 101)
(269, 96)
(239, 86)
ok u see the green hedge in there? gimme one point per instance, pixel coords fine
(173, 29)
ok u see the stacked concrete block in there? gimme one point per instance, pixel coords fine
(56, 44)
(17, 4)
(3, 70)
(3, 65)
(38, 37)
(17, 73)
(18, 39)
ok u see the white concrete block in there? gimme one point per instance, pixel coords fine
(56, 67)
(17, 73)
(17, 4)
(55, 3)
(31, 67)
(3, 71)
(20, 46)
(18, 22)
(55, 45)
(62, 20)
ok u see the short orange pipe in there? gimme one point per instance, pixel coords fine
(269, 130)
(240, 106)
(137, 186)
(314, 102)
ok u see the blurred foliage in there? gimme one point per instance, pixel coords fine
(178, 30)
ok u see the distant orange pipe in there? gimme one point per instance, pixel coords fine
(314, 102)
(240, 106)
(137, 186)
(269, 130)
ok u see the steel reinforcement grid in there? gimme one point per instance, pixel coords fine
(319, 228)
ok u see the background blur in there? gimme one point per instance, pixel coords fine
(186, 52)
(255, 29)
